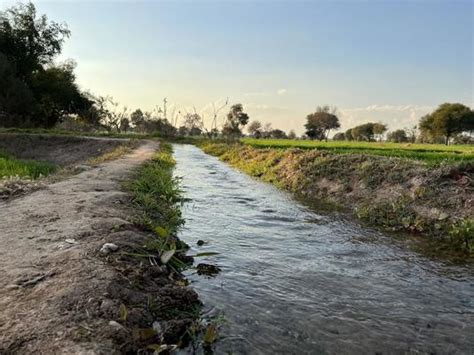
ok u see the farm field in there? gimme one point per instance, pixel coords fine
(31, 169)
(430, 153)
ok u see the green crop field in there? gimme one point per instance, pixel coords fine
(10, 166)
(433, 153)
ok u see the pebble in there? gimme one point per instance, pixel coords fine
(108, 248)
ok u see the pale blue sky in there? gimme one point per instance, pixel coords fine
(389, 61)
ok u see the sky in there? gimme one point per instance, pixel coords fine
(383, 61)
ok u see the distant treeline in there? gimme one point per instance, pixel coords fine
(37, 92)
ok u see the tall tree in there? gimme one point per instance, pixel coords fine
(321, 122)
(34, 91)
(29, 42)
(235, 119)
(447, 121)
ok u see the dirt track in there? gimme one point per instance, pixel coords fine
(57, 293)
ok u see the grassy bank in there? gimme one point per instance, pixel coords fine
(29, 169)
(171, 311)
(429, 153)
(396, 194)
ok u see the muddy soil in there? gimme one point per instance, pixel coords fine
(59, 150)
(58, 293)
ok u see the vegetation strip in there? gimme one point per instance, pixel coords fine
(397, 194)
(429, 153)
(30, 169)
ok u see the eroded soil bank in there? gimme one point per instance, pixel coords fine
(397, 194)
(60, 294)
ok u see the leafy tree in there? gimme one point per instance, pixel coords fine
(15, 96)
(29, 42)
(255, 129)
(137, 117)
(278, 134)
(57, 95)
(193, 123)
(398, 136)
(34, 91)
(339, 137)
(235, 119)
(321, 122)
(364, 132)
(447, 121)
(379, 129)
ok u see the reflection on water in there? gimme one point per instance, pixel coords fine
(296, 282)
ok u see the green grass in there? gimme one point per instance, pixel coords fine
(431, 153)
(158, 198)
(10, 166)
(157, 193)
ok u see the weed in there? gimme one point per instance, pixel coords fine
(462, 233)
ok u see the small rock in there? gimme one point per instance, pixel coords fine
(71, 241)
(108, 248)
(115, 324)
(207, 269)
(200, 242)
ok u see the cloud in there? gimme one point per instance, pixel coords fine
(393, 116)
(282, 92)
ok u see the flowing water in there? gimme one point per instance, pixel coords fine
(294, 281)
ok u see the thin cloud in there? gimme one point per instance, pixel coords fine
(282, 92)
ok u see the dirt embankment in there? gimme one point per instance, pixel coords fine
(59, 150)
(398, 194)
(60, 294)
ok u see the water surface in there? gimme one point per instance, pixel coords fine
(294, 281)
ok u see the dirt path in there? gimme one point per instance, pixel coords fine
(55, 286)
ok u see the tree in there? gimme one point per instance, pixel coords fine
(379, 129)
(235, 119)
(447, 120)
(124, 125)
(34, 91)
(291, 134)
(255, 129)
(364, 132)
(29, 42)
(278, 134)
(339, 137)
(16, 98)
(137, 117)
(321, 122)
(398, 136)
(193, 123)
(57, 94)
